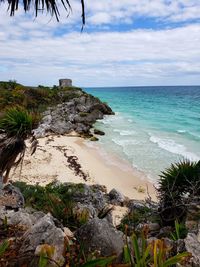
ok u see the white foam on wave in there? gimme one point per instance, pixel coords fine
(171, 146)
(107, 120)
(181, 131)
(194, 134)
(123, 143)
(189, 133)
(124, 132)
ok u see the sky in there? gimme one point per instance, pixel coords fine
(124, 43)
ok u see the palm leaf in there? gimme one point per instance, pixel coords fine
(51, 6)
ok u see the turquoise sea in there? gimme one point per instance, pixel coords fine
(153, 126)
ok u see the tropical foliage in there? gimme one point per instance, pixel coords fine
(56, 199)
(33, 99)
(155, 253)
(177, 186)
(16, 124)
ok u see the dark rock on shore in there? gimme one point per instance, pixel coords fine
(94, 138)
(98, 132)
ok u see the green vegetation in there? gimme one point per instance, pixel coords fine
(3, 247)
(180, 231)
(137, 216)
(140, 253)
(34, 98)
(56, 199)
(17, 122)
(178, 185)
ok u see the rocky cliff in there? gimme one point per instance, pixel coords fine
(79, 114)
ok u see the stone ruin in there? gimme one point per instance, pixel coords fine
(65, 82)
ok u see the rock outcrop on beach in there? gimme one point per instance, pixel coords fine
(79, 114)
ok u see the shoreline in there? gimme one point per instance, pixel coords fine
(70, 159)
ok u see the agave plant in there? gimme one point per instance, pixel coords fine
(151, 254)
(177, 185)
(17, 125)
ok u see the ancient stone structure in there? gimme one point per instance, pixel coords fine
(65, 82)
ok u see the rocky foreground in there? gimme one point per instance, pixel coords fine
(101, 218)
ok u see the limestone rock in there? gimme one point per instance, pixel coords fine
(90, 196)
(192, 245)
(83, 212)
(68, 232)
(23, 218)
(78, 114)
(100, 235)
(117, 214)
(11, 198)
(45, 232)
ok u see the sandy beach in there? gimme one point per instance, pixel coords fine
(73, 159)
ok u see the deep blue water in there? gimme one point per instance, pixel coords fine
(153, 126)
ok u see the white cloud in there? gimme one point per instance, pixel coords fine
(41, 51)
(121, 11)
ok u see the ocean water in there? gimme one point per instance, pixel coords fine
(153, 126)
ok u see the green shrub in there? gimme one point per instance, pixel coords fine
(136, 216)
(177, 186)
(180, 231)
(54, 198)
(17, 122)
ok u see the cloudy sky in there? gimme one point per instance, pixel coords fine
(124, 42)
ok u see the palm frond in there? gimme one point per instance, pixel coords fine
(11, 154)
(17, 123)
(51, 6)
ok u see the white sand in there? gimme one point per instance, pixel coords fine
(50, 163)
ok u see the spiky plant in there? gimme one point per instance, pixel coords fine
(16, 122)
(177, 185)
(17, 125)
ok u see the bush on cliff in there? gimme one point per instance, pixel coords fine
(34, 98)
